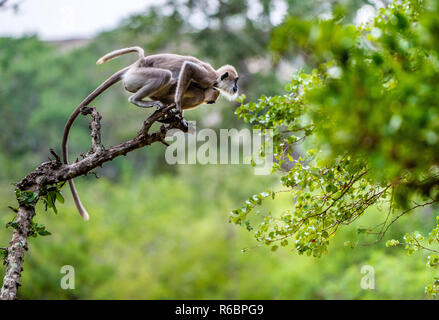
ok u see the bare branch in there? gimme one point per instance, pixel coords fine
(383, 232)
(95, 128)
(15, 254)
(54, 171)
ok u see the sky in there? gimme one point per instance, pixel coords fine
(64, 19)
(72, 19)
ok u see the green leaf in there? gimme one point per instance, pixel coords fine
(15, 209)
(44, 233)
(59, 197)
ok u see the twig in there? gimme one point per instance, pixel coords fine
(382, 233)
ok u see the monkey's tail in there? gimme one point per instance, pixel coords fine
(104, 86)
(120, 52)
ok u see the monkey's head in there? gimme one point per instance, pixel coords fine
(227, 82)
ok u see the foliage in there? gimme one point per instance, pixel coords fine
(370, 108)
(49, 195)
(138, 246)
(160, 231)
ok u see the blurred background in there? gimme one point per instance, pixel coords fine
(159, 231)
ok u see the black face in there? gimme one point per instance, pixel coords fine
(235, 86)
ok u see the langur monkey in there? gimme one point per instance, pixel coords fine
(165, 79)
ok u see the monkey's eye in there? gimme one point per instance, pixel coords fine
(225, 75)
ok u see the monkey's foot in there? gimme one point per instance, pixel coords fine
(148, 104)
(174, 115)
(170, 116)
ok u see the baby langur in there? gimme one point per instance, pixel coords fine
(164, 79)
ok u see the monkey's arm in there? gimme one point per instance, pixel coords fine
(192, 72)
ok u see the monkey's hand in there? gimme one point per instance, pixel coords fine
(185, 125)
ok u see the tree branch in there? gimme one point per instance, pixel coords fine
(54, 171)
(15, 254)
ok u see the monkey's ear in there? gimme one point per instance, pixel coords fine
(224, 75)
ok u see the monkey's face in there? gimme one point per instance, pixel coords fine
(227, 83)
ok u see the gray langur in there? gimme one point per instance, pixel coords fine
(165, 79)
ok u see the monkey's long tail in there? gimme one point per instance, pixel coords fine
(120, 52)
(104, 86)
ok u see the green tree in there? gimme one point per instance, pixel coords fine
(367, 120)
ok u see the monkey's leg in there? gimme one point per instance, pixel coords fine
(191, 71)
(152, 80)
